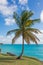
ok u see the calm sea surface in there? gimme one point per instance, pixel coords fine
(29, 50)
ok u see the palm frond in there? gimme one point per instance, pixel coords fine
(26, 15)
(33, 30)
(12, 31)
(17, 19)
(33, 37)
(26, 38)
(29, 23)
(17, 34)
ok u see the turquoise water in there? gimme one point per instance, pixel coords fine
(29, 50)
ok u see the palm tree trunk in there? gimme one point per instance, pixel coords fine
(22, 48)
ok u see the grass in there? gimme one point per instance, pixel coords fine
(6, 59)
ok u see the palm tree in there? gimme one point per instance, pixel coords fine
(24, 24)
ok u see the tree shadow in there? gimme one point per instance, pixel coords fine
(9, 59)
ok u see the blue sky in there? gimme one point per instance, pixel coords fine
(7, 7)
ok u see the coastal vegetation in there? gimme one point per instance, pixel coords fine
(6, 59)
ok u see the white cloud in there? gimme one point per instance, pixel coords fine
(41, 16)
(7, 10)
(9, 21)
(6, 39)
(23, 2)
(3, 2)
(26, 7)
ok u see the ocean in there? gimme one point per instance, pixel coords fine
(31, 50)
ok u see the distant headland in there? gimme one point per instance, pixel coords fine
(1, 43)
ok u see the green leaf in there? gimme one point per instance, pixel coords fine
(12, 31)
(17, 19)
(17, 35)
(25, 16)
(29, 23)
